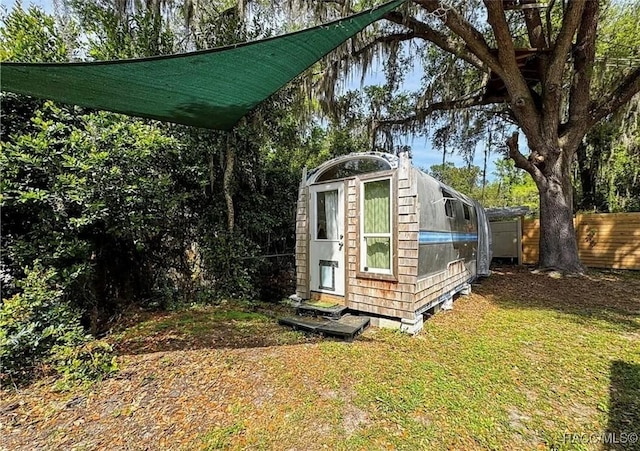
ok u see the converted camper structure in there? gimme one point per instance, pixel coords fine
(381, 237)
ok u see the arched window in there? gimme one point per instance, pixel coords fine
(351, 168)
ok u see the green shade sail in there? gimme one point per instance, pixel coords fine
(210, 89)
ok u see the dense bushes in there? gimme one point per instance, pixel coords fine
(96, 197)
(39, 326)
(125, 212)
(231, 263)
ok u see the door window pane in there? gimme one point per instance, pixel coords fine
(327, 215)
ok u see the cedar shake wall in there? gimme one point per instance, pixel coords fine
(386, 297)
(302, 243)
(430, 288)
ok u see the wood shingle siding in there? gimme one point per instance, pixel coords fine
(302, 243)
(428, 289)
(392, 298)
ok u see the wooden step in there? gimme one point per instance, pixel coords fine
(322, 309)
(347, 327)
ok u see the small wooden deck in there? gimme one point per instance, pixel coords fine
(347, 327)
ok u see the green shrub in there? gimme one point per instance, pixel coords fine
(38, 326)
(231, 263)
(91, 361)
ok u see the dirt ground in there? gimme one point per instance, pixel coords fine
(240, 380)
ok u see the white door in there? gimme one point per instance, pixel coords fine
(326, 247)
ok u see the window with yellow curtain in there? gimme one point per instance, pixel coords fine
(376, 228)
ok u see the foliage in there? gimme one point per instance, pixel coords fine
(39, 325)
(114, 33)
(464, 180)
(92, 196)
(39, 321)
(232, 262)
(510, 187)
(608, 164)
(31, 36)
(618, 42)
(92, 360)
(33, 321)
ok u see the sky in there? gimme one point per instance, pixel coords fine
(424, 155)
(46, 5)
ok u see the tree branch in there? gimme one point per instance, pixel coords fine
(522, 101)
(473, 39)
(583, 59)
(533, 21)
(570, 23)
(520, 160)
(424, 31)
(397, 37)
(551, 84)
(629, 87)
(498, 22)
(447, 105)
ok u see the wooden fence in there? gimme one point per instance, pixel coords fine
(609, 240)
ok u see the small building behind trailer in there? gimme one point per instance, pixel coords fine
(379, 237)
(506, 232)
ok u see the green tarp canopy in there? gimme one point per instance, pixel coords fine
(211, 89)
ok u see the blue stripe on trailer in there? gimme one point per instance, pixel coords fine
(431, 237)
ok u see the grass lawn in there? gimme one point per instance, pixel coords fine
(522, 363)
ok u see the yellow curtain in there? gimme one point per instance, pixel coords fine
(377, 214)
(378, 253)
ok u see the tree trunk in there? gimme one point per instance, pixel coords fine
(558, 244)
(227, 184)
(444, 153)
(212, 175)
(550, 168)
(588, 167)
(487, 151)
